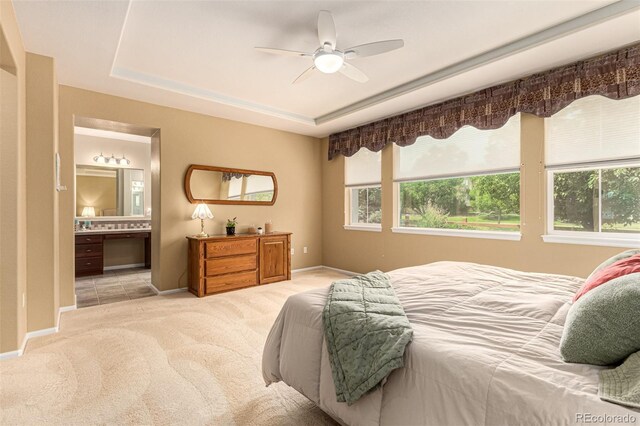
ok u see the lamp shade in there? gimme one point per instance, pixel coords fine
(88, 211)
(202, 212)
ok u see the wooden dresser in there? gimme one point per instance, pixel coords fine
(221, 263)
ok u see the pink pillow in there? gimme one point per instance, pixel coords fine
(617, 269)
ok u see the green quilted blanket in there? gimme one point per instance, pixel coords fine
(621, 385)
(366, 331)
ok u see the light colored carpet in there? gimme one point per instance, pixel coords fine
(160, 360)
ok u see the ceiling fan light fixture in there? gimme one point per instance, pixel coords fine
(328, 62)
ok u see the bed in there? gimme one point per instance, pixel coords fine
(484, 352)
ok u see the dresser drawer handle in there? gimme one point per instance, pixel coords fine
(87, 239)
(88, 263)
(88, 251)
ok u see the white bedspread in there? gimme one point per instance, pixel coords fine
(484, 352)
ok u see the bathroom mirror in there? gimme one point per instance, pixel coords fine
(220, 185)
(109, 191)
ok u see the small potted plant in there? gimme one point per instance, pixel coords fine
(231, 226)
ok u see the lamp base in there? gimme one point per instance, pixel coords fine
(202, 234)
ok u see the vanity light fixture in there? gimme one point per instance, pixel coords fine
(202, 212)
(100, 159)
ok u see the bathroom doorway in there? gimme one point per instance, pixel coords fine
(115, 187)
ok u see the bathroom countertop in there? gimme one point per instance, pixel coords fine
(113, 231)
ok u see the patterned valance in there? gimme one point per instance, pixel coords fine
(615, 75)
(227, 176)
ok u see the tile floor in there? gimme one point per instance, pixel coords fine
(113, 286)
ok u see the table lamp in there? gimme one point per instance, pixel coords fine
(88, 211)
(202, 212)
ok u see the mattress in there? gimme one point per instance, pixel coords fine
(485, 351)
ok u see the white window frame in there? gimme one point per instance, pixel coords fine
(467, 233)
(610, 239)
(356, 226)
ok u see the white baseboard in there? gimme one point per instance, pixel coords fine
(31, 335)
(64, 309)
(9, 355)
(324, 267)
(311, 268)
(132, 265)
(175, 290)
(37, 333)
(165, 292)
(342, 271)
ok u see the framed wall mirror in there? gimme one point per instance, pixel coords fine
(109, 191)
(221, 185)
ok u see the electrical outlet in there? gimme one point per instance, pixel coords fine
(293, 251)
(305, 251)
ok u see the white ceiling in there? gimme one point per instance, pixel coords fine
(199, 56)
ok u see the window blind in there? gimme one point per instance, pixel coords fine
(363, 168)
(468, 152)
(593, 129)
(235, 187)
(258, 183)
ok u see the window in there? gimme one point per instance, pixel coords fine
(259, 188)
(467, 182)
(592, 154)
(364, 192)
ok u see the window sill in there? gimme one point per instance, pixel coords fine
(593, 241)
(369, 228)
(510, 236)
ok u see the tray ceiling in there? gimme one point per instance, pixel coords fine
(199, 56)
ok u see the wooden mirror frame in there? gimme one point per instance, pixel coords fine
(192, 200)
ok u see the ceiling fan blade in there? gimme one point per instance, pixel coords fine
(326, 29)
(282, 52)
(374, 48)
(305, 75)
(353, 73)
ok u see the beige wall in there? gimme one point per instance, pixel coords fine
(13, 231)
(188, 138)
(42, 197)
(362, 251)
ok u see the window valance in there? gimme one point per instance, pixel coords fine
(615, 75)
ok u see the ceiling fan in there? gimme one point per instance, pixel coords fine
(328, 59)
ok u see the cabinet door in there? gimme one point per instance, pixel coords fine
(274, 260)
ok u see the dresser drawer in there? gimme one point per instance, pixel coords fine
(88, 250)
(228, 265)
(88, 239)
(231, 247)
(230, 282)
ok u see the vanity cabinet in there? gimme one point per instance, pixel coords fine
(89, 260)
(222, 263)
(90, 249)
